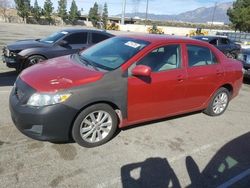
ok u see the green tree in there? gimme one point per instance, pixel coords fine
(93, 15)
(105, 16)
(23, 8)
(73, 13)
(62, 9)
(37, 11)
(47, 10)
(239, 15)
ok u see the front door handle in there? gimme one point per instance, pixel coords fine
(180, 78)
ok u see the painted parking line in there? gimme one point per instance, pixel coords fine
(5, 91)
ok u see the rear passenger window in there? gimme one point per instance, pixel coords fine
(200, 56)
(97, 37)
(77, 38)
(163, 58)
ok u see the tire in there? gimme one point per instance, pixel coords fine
(34, 59)
(95, 125)
(218, 103)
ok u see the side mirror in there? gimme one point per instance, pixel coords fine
(141, 70)
(62, 43)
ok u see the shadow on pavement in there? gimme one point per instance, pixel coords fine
(229, 167)
(8, 78)
(153, 172)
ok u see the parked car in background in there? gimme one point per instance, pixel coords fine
(24, 53)
(244, 57)
(119, 82)
(228, 47)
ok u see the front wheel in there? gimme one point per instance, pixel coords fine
(95, 125)
(219, 102)
(34, 59)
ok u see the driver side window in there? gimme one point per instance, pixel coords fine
(163, 58)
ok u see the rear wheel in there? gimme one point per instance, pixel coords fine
(95, 125)
(219, 103)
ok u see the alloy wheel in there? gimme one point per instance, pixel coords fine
(96, 126)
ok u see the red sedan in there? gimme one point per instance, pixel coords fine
(119, 82)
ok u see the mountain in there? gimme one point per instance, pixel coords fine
(199, 15)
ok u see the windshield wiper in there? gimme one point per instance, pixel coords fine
(87, 62)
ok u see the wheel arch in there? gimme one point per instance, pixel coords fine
(229, 87)
(42, 55)
(112, 104)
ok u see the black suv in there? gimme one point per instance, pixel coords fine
(24, 53)
(228, 47)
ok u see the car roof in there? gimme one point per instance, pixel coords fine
(154, 38)
(72, 30)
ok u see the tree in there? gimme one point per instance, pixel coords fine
(62, 9)
(239, 15)
(23, 8)
(4, 5)
(37, 11)
(73, 13)
(105, 16)
(47, 10)
(93, 15)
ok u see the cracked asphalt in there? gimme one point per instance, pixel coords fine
(175, 152)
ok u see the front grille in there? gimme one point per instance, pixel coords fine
(23, 91)
(19, 93)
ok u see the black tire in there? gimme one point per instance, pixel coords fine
(34, 59)
(210, 109)
(84, 115)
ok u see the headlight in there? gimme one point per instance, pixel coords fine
(41, 99)
(6, 51)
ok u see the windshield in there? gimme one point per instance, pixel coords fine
(112, 53)
(54, 37)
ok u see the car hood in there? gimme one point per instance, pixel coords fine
(24, 44)
(59, 74)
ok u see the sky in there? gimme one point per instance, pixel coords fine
(155, 6)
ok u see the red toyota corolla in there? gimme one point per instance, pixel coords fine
(122, 81)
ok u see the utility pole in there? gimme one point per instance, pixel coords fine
(146, 17)
(215, 6)
(123, 12)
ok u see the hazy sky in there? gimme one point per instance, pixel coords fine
(155, 6)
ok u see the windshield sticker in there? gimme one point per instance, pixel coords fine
(64, 32)
(132, 44)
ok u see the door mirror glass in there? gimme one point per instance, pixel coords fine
(62, 43)
(141, 70)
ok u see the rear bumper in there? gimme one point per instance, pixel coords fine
(49, 123)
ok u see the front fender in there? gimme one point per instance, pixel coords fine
(32, 51)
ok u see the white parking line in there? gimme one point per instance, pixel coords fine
(5, 91)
